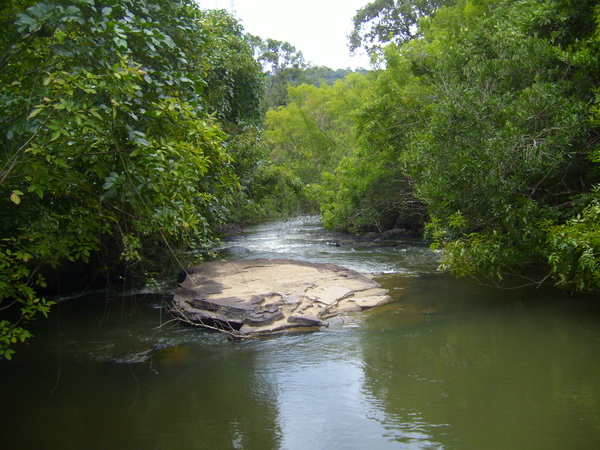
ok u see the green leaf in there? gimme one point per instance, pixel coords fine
(15, 197)
(26, 21)
(35, 112)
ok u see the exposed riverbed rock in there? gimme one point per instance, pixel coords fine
(262, 297)
(394, 233)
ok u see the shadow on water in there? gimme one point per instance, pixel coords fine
(446, 364)
(103, 373)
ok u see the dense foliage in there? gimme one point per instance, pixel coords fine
(483, 131)
(280, 184)
(503, 153)
(121, 120)
(312, 133)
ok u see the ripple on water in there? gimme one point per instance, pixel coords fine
(305, 239)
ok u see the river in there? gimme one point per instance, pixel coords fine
(447, 364)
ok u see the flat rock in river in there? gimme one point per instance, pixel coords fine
(260, 296)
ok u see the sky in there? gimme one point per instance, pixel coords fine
(318, 28)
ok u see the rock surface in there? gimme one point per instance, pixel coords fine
(261, 297)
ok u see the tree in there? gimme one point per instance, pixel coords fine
(310, 134)
(480, 130)
(283, 66)
(389, 21)
(509, 143)
(315, 130)
(371, 188)
(574, 246)
(114, 151)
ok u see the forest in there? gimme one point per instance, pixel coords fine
(133, 130)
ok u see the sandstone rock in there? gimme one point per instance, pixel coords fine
(263, 317)
(306, 321)
(258, 297)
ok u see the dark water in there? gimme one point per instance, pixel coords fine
(447, 364)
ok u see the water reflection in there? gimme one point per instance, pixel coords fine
(513, 375)
(320, 401)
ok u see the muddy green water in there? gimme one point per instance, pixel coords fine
(447, 364)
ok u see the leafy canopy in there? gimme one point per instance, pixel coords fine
(115, 137)
(483, 130)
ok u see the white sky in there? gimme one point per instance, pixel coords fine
(318, 28)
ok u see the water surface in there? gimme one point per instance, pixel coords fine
(446, 364)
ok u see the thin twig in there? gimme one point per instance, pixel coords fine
(180, 315)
